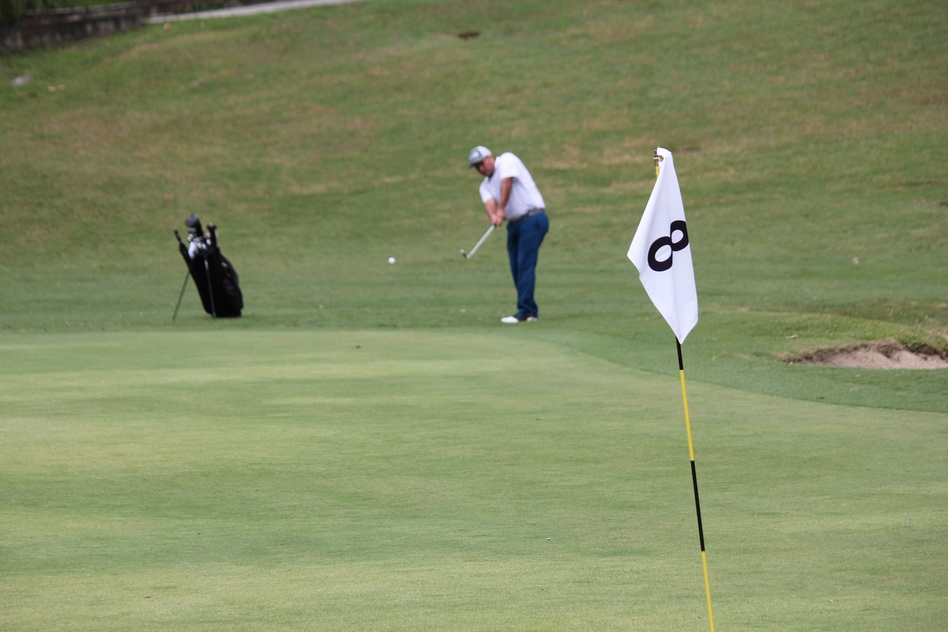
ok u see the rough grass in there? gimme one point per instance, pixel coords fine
(808, 141)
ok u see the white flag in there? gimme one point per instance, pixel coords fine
(661, 252)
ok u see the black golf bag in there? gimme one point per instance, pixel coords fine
(214, 276)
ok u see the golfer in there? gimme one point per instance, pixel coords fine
(509, 193)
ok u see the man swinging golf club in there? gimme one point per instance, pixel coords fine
(509, 193)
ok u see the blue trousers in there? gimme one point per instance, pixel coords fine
(523, 247)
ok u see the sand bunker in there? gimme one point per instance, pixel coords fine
(877, 355)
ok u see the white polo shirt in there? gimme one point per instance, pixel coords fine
(524, 194)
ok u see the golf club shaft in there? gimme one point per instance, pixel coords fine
(483, 239)
(181, 296)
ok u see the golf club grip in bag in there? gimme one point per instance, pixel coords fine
(216, 279)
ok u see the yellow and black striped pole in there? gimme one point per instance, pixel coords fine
(694, 482)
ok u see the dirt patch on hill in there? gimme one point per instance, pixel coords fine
(877, 355)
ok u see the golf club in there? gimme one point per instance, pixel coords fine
(478, 244)
(184, 253)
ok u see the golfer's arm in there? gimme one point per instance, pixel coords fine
(505, 186)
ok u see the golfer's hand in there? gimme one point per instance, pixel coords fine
(495, 212)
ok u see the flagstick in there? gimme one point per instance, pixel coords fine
(663, 229)
(694, 481)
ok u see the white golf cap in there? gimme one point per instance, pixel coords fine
(478, 154)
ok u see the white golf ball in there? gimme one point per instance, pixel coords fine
(391, 259)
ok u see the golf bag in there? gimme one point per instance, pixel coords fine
(214, 276)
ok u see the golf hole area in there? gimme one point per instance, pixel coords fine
(886, 354)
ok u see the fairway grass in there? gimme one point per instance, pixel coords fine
(437, 480)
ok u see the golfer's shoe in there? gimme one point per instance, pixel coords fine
(518, 318)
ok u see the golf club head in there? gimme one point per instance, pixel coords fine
(464, 254)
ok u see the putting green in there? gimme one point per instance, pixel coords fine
(417, 480)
